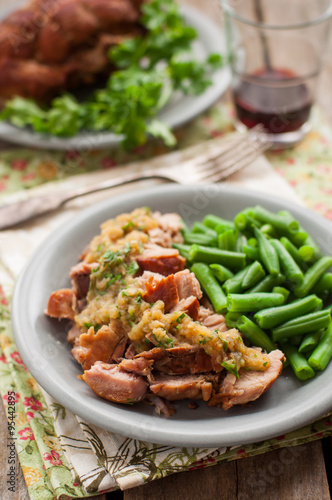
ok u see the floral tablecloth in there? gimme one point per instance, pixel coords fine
(61, 455)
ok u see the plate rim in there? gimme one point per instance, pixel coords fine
(96, 140)
(150, 425)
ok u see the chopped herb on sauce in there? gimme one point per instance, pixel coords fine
(232, 368)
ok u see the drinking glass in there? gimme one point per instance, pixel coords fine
(276, 50)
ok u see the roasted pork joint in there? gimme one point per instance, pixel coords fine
(50, 46)
(142, 330)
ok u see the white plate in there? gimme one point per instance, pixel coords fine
(178, 111)
(42, 343)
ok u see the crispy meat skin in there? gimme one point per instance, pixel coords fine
(54, 45)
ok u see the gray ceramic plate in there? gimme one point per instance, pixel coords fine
(178, 111)
(288, 405)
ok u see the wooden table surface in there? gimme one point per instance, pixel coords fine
(297, 473)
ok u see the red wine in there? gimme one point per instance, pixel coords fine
(276, 98)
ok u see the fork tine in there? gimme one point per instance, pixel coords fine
(238, 164)
(248, 146)
(248, 141)
(213, 153)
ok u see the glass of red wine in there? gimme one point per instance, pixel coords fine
(276, 50)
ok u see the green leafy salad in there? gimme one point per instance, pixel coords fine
(148, 69)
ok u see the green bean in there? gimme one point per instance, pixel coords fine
(270, 318)
(299, 238)
(251, 252)
(310, 341)
(269, 231)
(311, 242)
(231, 319)
(307, 253)
(292, 250)
(324, 284)
(227, 240)
(298, 362)
(241, 242)
(282, 290)
(240, 221)
(252, 222)
(288, 265)
(245, 220)
(209, 255)
(199, 239)
(254, 275)
(254, 334)
(312, 276)
(295, 340)
(284, 223)
(234, 284)
(322, 354)
(267, 284)
(253, 242)
(183, 249)
(221, 272)
(221, 228)
(304, 324)
(212, 221)
(198, 227)
(253, 302)
(210, 286)
(268, 254)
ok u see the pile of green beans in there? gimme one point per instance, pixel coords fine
(269, 279)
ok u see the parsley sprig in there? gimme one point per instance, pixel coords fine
(149, 68)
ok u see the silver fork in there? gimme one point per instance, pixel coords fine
(213, 165)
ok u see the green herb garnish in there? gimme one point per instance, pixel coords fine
(231, 367)
(149, 68)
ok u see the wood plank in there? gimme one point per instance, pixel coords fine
(219, 481)
(296, 473)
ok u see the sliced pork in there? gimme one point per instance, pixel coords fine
(95, 346)
(113, 384)
(187, 285)
(181, 360)
(189, 306)
(162, 406)
(163, 289)
(73, 334)
(215, 322)
(161, 260)
(250, 386)
(80, 275)
(62, 304)
(140, 366)
(181, 387)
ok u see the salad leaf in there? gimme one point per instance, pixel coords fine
(149, 68)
